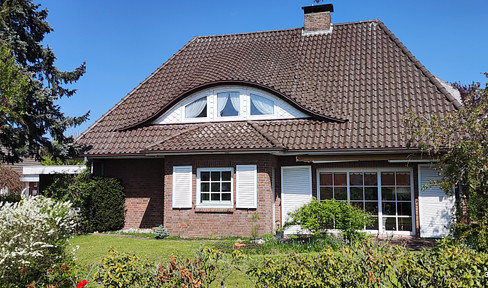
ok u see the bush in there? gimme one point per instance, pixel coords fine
(376, 265)
(208, 266)
(161, 232)
(104, 206)
(272, 245)
(34, 235)
(126, 270)
(100, 200)
(11, 197)
(317, 217)
(474, 234)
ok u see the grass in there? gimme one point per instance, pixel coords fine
(92, 248)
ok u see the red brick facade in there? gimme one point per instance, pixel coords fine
(148, 188)
(199, 222)
(143, 186)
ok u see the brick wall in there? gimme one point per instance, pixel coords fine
(143, 186)
(145, 193)
(317, 21)
(199, 222)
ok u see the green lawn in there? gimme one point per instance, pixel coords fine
(92, 248)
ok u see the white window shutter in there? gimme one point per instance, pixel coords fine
(182, 187)
(246, 186)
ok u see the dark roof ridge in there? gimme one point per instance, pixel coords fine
(357, 22)
(266, 135)
(133, 90)
(248, 33)
(420, 66)
(189, 129)
(283, 30)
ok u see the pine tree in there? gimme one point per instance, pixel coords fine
(32, 121)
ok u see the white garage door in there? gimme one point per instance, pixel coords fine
(296, 190)
(435, 207)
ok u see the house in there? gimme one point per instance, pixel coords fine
(251, 126)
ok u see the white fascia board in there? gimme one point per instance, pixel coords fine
(54, 169)
(30, 178)
(414, 161)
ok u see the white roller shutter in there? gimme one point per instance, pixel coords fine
(435, 206)
(296, 190)
(246, 186)
(182, 187)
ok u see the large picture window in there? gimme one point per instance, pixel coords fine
(387, 195)
(215, 186)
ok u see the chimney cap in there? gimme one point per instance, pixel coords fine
(318, 8)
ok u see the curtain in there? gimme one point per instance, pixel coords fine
(222, 99)
(194, 109)
(263, 105)
(234, 99)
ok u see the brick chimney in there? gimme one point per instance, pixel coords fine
(317, 19)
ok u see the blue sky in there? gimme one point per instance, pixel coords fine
(123, 42)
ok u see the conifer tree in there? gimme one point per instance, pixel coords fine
(30, 120)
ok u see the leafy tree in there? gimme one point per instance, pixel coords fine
(460, 141)
(31, 83)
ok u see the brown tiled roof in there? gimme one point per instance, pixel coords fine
(357, 83)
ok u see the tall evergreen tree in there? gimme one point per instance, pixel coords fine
(32, 121)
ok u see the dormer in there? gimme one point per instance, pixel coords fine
(229, 103)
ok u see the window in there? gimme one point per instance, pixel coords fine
(386, 195)
(261, 105)
(215, 186)
(396, 199)
(197, 108)
(228, 104)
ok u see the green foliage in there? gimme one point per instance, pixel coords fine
(10, 197)
(126, 270)
(208, 266)
(374, 265)
(255, 225)
(317, 217)
(34, 234)
(30, 84)
(101, 200)
(161, 232)
(302, 244)
(460, 141)
(48, 160)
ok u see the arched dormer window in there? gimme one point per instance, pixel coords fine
(261, 105)
(197, 108)
(229, 103)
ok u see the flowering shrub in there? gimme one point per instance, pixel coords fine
(34, 234)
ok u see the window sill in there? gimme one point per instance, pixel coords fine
(214, 210)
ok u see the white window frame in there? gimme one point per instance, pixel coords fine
(214, 204)
(193, 100)
(380, 202)
(215, 109)
(281, 108)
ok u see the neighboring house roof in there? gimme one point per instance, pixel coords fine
(25, 162)
(357, 83)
